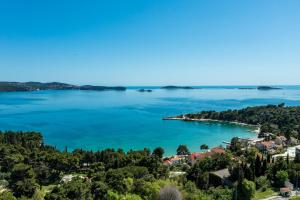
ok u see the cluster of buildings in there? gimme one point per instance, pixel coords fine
(276, 146)
(191, 158)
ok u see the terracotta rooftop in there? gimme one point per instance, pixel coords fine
(267, 143)
(175, 159)
(197, 155)
(167, 162)
(218, 150)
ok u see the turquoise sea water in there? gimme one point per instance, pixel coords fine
(130, 119)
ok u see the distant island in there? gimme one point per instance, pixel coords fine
(172, 87)
(268, 88)
(260, 88)
(33, 86)
(144, 90)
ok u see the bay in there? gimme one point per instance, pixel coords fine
(129, 119)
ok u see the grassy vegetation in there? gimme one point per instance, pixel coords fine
(295, 198)
(48, 188)
(264, 194)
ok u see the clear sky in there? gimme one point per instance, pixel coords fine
(153, 42)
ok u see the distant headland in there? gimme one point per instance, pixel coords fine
(33, 86)
(172, 87)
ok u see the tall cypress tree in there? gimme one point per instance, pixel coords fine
(268, 158)
(264, 167)
(257, 166)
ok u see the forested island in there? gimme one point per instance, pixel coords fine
(260, 88)
(245, 169)
(144, 90)
(33, 86)
(268, 88)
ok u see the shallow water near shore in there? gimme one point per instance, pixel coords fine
(130, 119)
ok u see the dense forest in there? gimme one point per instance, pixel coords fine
(276, 119)
(29, 169)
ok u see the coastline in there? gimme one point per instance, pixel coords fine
(184, 118)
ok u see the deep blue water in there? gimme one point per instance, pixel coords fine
(130, 119)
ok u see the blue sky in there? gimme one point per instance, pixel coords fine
(153, 42)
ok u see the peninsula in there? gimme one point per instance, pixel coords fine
(276, 119)
(33, 86)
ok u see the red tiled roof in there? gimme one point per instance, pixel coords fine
(194, 156)
(218, 150)
(175, 159)
(267, 143)
(167, 162)
(170, 160)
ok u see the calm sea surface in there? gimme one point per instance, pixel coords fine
(130, 119)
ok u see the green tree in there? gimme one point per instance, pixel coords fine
(159, 152)
(246, 190)
(191, 192)
(204, 147)
(115, 179)
(262, 182)
(145, 189)
(99, 190)
(111, 195)
(6, 195)
(38, 195)
(281, 177)
(22, 180)
(220, 193)
(77, 189)
(182, 150)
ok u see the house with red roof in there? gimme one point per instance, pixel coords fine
(199, 155)
(218, 150)
(266, 146)
(174, 160)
